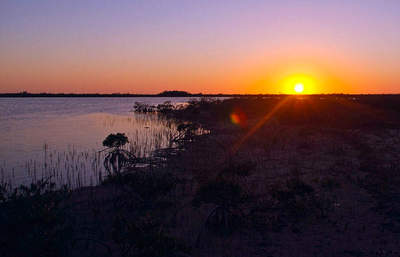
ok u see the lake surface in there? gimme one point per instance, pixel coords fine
(61, 137)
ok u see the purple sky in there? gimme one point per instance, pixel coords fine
(199, 46)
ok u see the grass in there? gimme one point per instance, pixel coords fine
(78, 167)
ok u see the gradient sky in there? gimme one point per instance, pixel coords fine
(213, 46)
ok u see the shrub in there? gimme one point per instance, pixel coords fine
(165, 107)
(117, 158)
(227, 197)
(186, 132)
(299, 200)
(115, 140)
(143, 108)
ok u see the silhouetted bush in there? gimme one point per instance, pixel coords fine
(143, 108)
(186, 133)
(117, 158)
(227, 197)
(165, 107)
(299, 200)
(115, 140)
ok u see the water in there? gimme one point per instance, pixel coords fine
(61, 137)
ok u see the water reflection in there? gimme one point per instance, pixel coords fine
(66, 147)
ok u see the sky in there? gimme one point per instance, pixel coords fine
(208, 46)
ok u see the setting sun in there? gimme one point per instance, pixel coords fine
(299, 88)
(298, 84)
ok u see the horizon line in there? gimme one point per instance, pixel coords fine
(177, 94)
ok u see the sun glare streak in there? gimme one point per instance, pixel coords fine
(268, 116)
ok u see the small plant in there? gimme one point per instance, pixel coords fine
(115, 140)
(117, 158)
(144, 237)
(299, 200)
(143, 108)
(147, 185)
(186, 132)
(227, 197)
(165, 107)
(296, 199)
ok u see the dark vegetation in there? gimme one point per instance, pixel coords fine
(319, 176)
(35, 220)
(174, 93)
(117, 158)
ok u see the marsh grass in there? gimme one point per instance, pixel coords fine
(79, 167)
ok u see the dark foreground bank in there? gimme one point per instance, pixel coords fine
(281, 176)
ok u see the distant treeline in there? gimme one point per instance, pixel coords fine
(162, 94)
(173, 93)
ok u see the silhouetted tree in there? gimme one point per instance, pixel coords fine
(117, 158)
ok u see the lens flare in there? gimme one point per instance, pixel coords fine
(235, 118)
(238, 117)
(259, 124)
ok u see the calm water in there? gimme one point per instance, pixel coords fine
(61, 137)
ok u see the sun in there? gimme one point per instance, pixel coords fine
(298, 84)
(299, 88)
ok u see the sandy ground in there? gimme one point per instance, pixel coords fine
(312, 191)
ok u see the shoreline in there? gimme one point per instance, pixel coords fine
(316, 181)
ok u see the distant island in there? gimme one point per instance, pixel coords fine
(175, 93)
